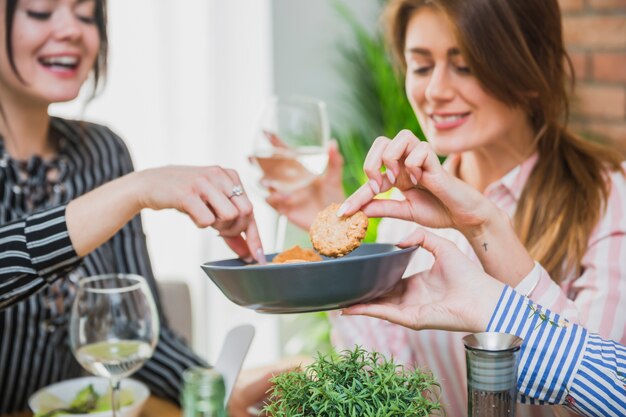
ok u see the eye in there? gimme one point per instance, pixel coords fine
(463, 70)
(86, 12)
(418, 69)
(90, 20)
(421, 70)
(38, 15)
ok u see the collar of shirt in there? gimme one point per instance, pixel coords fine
(512, 182)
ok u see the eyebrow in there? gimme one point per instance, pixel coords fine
(422, 51)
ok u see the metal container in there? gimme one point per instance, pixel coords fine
(492, 360)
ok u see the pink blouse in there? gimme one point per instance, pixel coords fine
(596, 298)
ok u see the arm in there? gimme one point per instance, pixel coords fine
(587, 373)
(560, 362)
(34, 252)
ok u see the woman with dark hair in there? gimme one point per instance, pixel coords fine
(70, 200)
(538, 207)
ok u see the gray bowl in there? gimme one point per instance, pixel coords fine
(368, 272)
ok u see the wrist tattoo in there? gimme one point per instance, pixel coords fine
(485, 246)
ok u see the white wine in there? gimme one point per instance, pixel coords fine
(287, 169)
(118, 358)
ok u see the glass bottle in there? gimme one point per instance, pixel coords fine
(492, 360)
(203, 393)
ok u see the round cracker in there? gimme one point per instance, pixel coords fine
(337, 236)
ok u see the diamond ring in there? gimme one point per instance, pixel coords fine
(236, 191)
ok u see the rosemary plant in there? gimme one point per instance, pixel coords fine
(353, 383)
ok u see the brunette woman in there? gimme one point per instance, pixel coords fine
(70, 201)
(541, 209)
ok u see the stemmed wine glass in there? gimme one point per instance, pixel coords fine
(114, 327)
(290, 147)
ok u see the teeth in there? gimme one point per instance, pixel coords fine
(60, 60)
(447, 119)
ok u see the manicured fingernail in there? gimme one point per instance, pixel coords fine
(374, 185)
(413, 179)
(248, 259)
(342, 209)
(392, 178)
(260, 256)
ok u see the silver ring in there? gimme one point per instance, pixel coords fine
(236, 191)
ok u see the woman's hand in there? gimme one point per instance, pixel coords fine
(434, 198)
(437, 199)
(210, 196)
(454, 295)
(302, 206)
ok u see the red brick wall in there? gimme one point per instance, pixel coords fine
(595, 34)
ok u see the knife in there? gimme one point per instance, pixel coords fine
(234, 351)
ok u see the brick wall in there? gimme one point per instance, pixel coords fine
(595, 34)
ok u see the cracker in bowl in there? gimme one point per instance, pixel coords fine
(296, 254)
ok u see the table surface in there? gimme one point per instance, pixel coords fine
(154, 407)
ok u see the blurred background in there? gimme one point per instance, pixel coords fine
(187, 80)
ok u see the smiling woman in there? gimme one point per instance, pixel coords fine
(534, 205)
(70, 200)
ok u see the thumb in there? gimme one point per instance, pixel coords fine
(431, 242)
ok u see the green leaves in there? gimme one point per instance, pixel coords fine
(354, 383)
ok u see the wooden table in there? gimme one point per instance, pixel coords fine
(154, 407)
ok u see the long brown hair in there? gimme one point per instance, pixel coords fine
(515, 47)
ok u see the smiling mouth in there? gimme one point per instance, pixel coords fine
(450, 118)
(62, 63)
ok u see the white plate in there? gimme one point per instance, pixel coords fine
(67, 390)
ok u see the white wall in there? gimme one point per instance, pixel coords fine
(307, 60)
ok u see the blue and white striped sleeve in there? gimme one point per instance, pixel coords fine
(560, 362)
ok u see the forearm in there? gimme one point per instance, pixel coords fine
(501, 253)
(560, 362)
(95, 217)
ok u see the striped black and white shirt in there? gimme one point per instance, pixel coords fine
(560, 362)
(39, 267)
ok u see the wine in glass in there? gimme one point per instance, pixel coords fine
(114, 327)
(290, 147)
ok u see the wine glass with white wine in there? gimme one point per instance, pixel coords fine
(114, 327)
(290, 147)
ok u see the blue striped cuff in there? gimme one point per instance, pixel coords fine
(48, 242)
(599, 387)
(552, 351)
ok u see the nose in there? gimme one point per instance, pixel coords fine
(439, 86)
(66, 25)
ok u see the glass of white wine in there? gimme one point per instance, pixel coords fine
(290, 147)
(114, 327)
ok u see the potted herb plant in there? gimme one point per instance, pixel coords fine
(353, 383)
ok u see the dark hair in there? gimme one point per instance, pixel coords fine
(515, 47)
(99, 68)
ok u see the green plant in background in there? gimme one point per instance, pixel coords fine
(354, 383)
(377, 102)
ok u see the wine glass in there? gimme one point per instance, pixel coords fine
(114, 327)
(290, 147)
